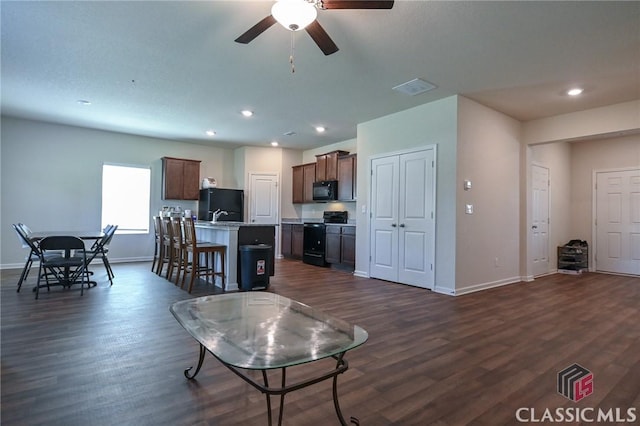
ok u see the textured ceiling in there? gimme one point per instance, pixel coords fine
(171, 69)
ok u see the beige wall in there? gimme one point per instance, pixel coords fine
(434, 123)
(487, 241)
(590, 156)
(51, 180)
(289, 210)
(601, 122)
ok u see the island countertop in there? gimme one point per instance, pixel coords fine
(228, 224)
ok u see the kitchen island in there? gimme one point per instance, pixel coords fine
(233, 235)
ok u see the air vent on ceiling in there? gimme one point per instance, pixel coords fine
(414, 87)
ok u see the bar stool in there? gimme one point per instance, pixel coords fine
(196, 248)
(158, 251)
(165, 258)
(177, 262)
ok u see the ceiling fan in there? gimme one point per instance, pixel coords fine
(296, 15)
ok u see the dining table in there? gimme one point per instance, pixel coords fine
(264, 331)
(84, 235)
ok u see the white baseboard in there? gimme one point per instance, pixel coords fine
(485, 286)
(361, 274)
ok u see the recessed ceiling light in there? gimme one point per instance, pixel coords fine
(320, 129)
(210, 133)
(83, 102)
(246, 112)
(274, 143)
(575, 91)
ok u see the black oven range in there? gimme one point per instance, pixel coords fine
(314, 237)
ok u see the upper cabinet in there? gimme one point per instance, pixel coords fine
(347, 177)
(180, 179)
(327, 165)
(303, 178)
(335, 165)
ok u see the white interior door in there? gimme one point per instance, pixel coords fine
(403, 218)
(384, 218)
(540, 222)
(263, 198)
(618, 222)
(416, 219)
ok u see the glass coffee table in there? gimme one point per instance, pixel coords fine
(264, 331)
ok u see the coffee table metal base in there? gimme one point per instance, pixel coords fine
(341, 366)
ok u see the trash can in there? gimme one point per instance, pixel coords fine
(254, 267)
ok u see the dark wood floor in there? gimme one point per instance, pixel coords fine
(116, 355)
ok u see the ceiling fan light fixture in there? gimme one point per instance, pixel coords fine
(294, 15)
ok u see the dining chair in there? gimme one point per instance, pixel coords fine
(208, 250)
(100, 248)
(67, 269)
(34, 252)
(158, 246)
(177, 247)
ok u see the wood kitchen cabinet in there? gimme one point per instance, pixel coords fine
(180, 179)
(292, 238)
(347, 177)
(303, 177)
(340, 247)
(327, 165)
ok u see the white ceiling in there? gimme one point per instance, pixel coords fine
(172, 69)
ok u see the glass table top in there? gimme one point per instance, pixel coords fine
(261, 330)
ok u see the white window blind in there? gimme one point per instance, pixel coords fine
(126, 192)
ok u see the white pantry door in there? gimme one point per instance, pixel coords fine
(263, 198)
(540, 222)
(416, 219)
(618, 222)
(383, 263)
(403, 218)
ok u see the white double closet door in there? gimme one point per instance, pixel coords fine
(617, 224)
(402, 225)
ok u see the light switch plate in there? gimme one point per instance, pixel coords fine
(468, 209)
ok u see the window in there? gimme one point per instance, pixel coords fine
(126, 196)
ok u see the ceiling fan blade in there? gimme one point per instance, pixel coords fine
(256, 30)
(322, 39)
(356, 4)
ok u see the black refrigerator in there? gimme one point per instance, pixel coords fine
(228, 200)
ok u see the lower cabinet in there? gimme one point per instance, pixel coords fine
(340, 249)
(292, 239)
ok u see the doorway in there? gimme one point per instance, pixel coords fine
(403, 218)
(264, 201)
(617, 221)
(540, 220)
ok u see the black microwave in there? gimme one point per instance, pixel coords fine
(326, 190)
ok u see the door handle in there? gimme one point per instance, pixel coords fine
(534, 227)
(394, 225)
(402, 225)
